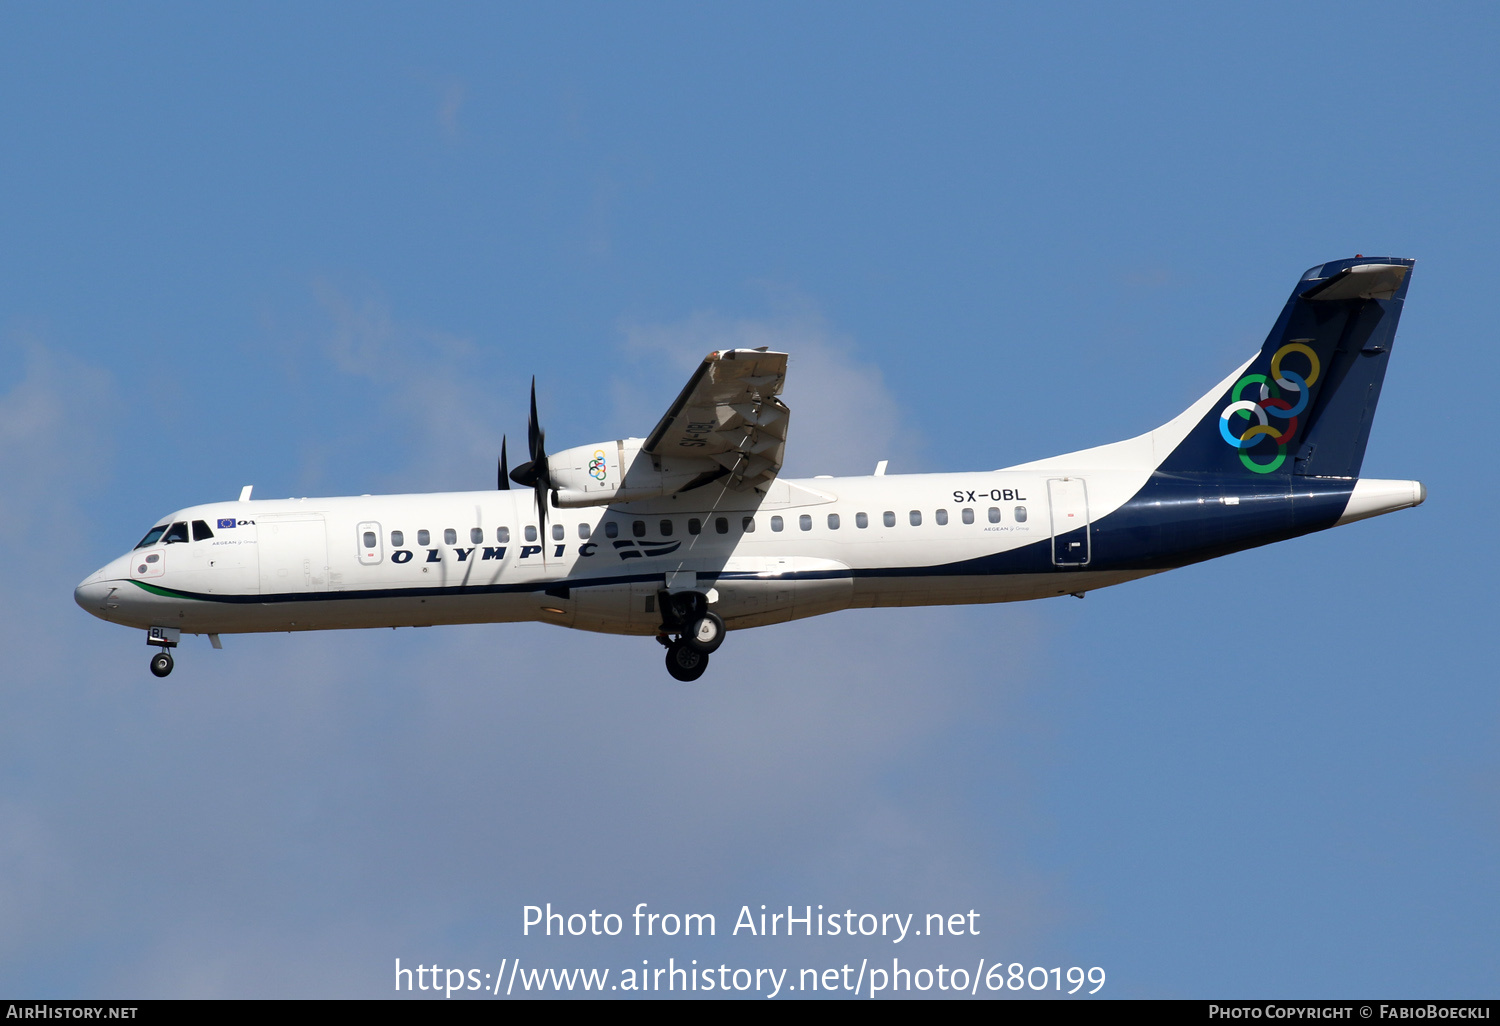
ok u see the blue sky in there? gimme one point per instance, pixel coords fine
(323, 248)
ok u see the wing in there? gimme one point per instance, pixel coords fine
(729, 413)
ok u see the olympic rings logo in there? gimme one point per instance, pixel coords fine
(1271, 403)
(598, 468)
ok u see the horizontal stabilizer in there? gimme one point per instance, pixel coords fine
(1362, 281)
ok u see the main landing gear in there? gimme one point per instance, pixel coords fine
(165, 638)
(699, 632)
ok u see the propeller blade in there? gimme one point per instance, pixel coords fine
(541, 482)
(534, 434)
(536, 472)
(541, 491)
(502, 479)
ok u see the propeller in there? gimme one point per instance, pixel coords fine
(535, 473)
(502, 479)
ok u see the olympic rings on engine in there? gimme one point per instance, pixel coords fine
(598, 467)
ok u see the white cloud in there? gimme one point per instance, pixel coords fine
(425, 404)
(55, 434)
(844, 418)
(449, 106)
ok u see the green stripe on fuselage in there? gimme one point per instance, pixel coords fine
(163, 592)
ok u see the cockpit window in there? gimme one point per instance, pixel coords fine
(176, 533)
(153, 536)
(201, 531)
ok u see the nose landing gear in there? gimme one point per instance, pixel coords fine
(699, 632)
(165, 638)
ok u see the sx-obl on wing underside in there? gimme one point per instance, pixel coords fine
(690, 532)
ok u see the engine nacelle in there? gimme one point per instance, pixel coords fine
(618, 471)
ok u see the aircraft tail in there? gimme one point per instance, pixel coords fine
(1304, 404)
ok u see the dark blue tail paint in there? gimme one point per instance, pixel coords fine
(1275, 456)
(1303, 406)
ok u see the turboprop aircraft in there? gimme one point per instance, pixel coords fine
(691, 531)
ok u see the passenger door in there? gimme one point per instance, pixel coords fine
(1068, 498)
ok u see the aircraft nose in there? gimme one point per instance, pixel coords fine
(90, 595)
(94, 591)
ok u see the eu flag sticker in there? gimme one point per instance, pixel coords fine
(229, 522)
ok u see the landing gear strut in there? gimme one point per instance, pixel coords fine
(699, 632)
(164, 638)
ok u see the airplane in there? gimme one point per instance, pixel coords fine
(691, 532)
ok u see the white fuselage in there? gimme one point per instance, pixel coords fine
(1273, 451)
(805, 547)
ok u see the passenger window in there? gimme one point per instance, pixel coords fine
(638, 528)
(423, 538)
(805, 522)
(833, 521)
(775, 523)
(476, 535)
(968, 515)
(502, 535)
(152, 536)
(1020, 514)
(584, 531)
(721, 524)
(397, 539)
(942, 517)
(861, 520)
(915, 516)
(175, 533)
(666, 528)
(611, 529)
(558, 533)
(994, 514)
(201, 531)
(369, 539)
(889, 518)
(531, 532)
(748, 525)
(450, 536)
(695, 526)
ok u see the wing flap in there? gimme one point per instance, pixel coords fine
(729, 412)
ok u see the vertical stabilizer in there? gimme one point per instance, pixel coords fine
(1304, 405)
